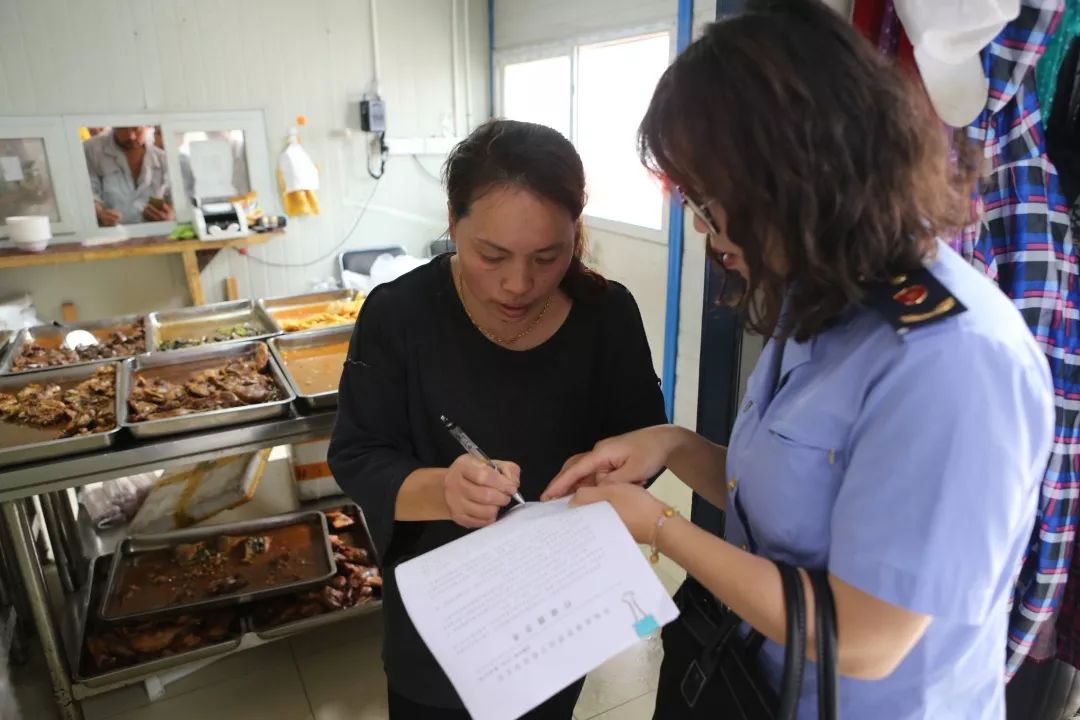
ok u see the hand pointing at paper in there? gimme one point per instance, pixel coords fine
(636, 506)
(613, 470)
(638, 456)
(631, 458)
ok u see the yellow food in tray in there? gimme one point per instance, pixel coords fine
(339, 312)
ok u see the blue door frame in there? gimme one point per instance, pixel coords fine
(721, 353)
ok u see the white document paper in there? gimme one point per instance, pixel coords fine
(11, 168)
(519, 610)
(212, 164)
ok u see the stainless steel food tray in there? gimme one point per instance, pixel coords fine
(328, 618)
(92, 592)
(310, 338)
(5, 344)
(148, 543)
(54, 335)
(196, 359)
(274, 307)
(196, 322)
(14, 452)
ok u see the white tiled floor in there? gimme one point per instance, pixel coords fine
(330, 674)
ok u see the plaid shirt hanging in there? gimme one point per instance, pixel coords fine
(1023, 241)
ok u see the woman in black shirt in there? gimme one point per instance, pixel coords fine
(534, 355)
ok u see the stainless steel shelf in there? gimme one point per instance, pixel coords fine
(72, 620)
(249, 640)
(130, 456)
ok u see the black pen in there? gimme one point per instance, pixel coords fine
(470, 447)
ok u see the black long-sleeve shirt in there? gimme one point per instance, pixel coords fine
(414, 356)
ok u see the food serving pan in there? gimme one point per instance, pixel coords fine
(282, 307)
(175, 366)
(52, 337)
(22, 444)
(85, 673)
(5, 343)
(327, 618)
(141, 544)
(361, 538)
(203, 321)
(280, 346)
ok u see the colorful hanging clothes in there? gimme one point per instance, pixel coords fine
(1063, 127)
(1046, 73)
(1023, 241)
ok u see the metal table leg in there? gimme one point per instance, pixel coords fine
(64, 561)
(20, 651)
(69, 526)
(15, 596)
(15, 518)
(7, 578)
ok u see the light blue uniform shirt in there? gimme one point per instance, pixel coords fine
(909, 465)
(111, 181)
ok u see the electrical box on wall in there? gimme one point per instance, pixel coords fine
(373, 116)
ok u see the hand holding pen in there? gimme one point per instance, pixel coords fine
(476, 487)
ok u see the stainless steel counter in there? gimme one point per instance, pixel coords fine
(129, 456)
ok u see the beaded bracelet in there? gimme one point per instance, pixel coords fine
(654, 547)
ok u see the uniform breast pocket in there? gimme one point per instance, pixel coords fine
(804, 457)
(819, 439)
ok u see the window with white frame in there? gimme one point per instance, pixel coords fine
(35, 175)
(539, 91)
(45, 170)
(596, 94)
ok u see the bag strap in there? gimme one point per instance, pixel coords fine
(795, 647)
(825, 634)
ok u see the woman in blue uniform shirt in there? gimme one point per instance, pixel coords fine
(897, 425)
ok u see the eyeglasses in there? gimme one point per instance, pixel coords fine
(701, 211)
(728, 286)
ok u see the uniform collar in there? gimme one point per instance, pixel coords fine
(763, 383)
(760, 388)
(796, 354)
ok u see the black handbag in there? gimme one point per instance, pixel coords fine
(711, 670)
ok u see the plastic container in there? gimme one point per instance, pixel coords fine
(311, 471)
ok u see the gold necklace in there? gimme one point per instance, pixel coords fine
(459, 285)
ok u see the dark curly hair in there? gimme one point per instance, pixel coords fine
(502, 153)
(813, 145)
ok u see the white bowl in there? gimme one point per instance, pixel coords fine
(33, 246)
(29, 232)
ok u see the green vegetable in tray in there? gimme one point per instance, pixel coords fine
(222, 334)
(235, 332)
(180, 344)
(182, 232)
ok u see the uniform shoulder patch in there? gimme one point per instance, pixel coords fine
(912, 299)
